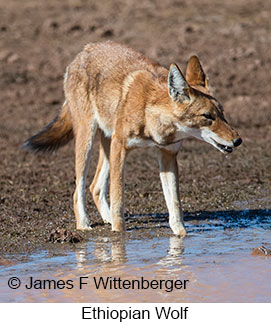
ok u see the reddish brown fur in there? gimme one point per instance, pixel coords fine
(135, 103)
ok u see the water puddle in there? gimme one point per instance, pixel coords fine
(215, 260)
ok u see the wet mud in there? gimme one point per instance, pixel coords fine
(213, 262)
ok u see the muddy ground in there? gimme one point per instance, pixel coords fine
(37, 41)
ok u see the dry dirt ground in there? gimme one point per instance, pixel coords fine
(37, 41)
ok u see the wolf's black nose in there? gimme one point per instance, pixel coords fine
(237, 142)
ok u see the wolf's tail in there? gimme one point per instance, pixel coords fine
(56, 134)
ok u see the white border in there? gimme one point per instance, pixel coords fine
(67, 312)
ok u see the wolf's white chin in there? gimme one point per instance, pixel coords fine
(213, 139)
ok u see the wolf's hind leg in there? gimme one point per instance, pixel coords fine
(99, 185)
(83, 143)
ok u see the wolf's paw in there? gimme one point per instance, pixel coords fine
(107, 220)
(179, 230)
(84, 227)
(119, 226)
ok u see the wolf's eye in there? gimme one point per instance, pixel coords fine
(208, 116)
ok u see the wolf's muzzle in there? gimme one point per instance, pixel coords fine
(237, 142)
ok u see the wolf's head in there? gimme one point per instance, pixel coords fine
(196, 108)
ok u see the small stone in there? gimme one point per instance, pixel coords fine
(64, 235)
(108, 33)
(13, 58)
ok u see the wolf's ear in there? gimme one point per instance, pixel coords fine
(195, 74)
(177, 85)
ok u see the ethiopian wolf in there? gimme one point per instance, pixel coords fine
(132, 102)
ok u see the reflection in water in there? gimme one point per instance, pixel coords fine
(113, 251)
(107, 250)
(215, 259)
(81, 256)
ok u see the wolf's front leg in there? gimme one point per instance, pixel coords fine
(117, 163)
(170, 183)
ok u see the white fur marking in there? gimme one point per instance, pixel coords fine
(83, 219)
(169, 186)
(81, 186)
(204, 134)
(212, 138)
(102, 186)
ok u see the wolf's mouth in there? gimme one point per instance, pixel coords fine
(223, 148)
